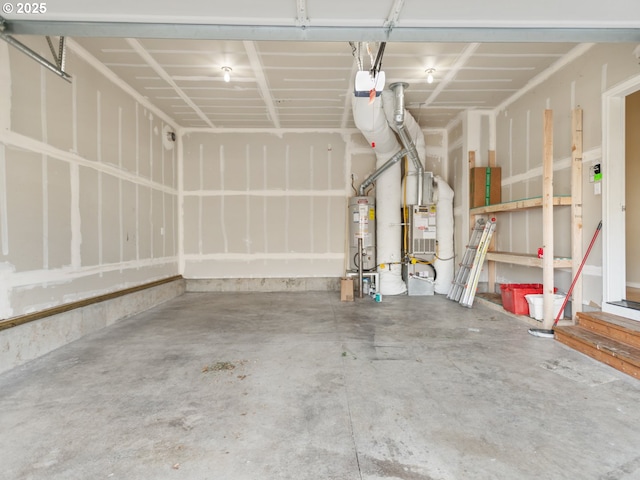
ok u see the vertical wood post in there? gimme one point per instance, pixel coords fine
(472, 164)
(491, 265)
(576, 209)
(547, 220)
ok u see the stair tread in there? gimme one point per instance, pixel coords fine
(625, 351)
(615, 320)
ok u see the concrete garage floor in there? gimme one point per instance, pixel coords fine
(302, 386)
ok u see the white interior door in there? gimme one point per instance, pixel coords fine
(613, 198)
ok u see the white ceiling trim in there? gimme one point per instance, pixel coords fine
(146, 56)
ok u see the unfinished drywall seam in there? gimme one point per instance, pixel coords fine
(64, 275)
(23, 142)
(510, 247)
(277, 132)
(74, 115)
(4, 211)
(247, 185)
(137, 130)
(588, 156)
(265, 256)
(76, 218)
(200, 199)
(179, 214)
(137, 213)
(163, 230)
(45, 170)
(264, 204)
(311, 209)
(120, 192)
(223, 227)
(346, 108)
(137, 189)
(113, 78)
(527, 160)
(151, 202)
(99, 158)
(574, 54)
(287, 200)
(156, 67)
(603, 78)
(265, 193)
(328, 200)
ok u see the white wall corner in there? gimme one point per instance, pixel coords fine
(5, 87)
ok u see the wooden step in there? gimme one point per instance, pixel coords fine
(618, 355)
(611, 326)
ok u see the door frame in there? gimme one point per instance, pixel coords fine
(613, 197)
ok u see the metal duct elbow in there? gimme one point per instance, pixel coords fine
(398, 112)
(405, 138)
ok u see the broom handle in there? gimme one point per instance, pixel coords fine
(575, 279)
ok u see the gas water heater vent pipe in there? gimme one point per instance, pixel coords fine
(405, 138)
(386, 166)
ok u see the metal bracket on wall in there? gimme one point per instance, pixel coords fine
(59, 58)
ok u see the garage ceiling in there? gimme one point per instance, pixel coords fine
(482, 53)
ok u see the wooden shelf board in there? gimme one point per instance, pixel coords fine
(523, 204)
(525, 259)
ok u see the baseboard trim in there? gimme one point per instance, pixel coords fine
(31, 317)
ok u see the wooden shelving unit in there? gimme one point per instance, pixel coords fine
(526, 259)
(546, 202)
(534, 202)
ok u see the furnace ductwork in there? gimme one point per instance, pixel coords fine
(444, 263)
(371, 121)
(411, 137)
(379, 121)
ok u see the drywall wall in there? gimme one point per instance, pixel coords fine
(437, 154)
(264, 205)
(88, 191)
(519, 152)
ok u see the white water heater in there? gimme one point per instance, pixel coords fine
(362, 224)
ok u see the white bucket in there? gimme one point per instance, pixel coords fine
(536, 305)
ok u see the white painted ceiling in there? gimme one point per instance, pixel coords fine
(292, 65)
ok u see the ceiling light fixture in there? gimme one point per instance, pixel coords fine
(430, 72)
(227, 74)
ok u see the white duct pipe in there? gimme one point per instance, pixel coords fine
(370, 120)
(444, 263)
(416, 136)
